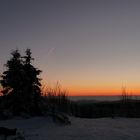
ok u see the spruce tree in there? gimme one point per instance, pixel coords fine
(11, 81)
(32, 82)
(21, 85)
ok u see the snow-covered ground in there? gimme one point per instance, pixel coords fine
(43, 128)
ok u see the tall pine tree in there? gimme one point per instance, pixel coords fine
(12, 82)
(32, 82)
(21, 85)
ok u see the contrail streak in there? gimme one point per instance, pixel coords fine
(50, 51)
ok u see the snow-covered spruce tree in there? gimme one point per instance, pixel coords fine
(21, 86)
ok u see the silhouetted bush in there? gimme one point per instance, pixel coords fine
(56, 99)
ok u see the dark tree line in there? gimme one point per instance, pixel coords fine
(21, 85)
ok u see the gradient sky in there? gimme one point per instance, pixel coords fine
(89, 46)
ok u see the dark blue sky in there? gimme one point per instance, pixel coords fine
(88, 45)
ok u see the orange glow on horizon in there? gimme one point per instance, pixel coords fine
(102, 92)
(98, 89)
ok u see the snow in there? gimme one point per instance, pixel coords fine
(43, 128)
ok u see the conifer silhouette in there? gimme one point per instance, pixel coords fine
(21, 85)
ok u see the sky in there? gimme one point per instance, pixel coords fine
(92, 47)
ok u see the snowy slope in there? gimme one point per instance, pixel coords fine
(43, 128)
